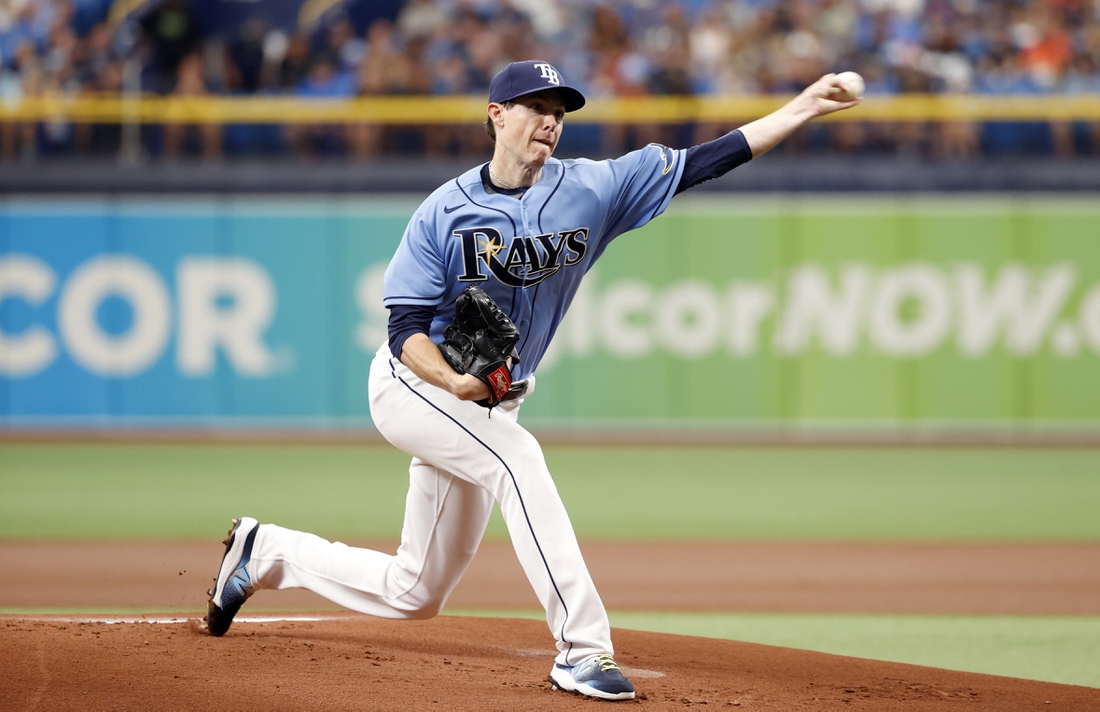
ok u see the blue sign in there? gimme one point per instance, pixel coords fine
(184, 311)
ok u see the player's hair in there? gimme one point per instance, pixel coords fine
(490, 127)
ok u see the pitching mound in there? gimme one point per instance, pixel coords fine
(467, 663)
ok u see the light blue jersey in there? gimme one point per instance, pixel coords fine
(529, 254)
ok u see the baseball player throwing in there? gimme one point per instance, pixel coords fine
(523, 228)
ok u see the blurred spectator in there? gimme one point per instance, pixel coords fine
(172, 35)
(100, 72)
(347, 49)
(1075, 138)
(19, 139)
(326, 80)
(192, 82)
(422, 19)
(390, 67)
(249, 54)
(1046, 48)
(95, 56)
(1004, 74)
(295, 62)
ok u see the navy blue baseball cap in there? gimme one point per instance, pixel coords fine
(520, 78)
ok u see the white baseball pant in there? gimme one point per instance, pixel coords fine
(464, 458)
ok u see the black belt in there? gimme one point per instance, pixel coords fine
(518, 390)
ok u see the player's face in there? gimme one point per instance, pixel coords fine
(533, 126)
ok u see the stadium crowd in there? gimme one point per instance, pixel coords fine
(611, 48)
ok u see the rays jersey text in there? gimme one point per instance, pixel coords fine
(524, 262)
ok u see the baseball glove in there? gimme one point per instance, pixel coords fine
(480, 341)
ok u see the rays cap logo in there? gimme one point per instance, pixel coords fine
(521, 78)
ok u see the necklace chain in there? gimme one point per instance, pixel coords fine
(500, 180)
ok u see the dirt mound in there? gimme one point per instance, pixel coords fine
(457, 663)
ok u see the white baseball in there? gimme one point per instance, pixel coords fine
(851, 87)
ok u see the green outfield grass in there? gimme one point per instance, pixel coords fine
(1061, 649)
(660, 493)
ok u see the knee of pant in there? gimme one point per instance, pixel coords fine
(424, 610)
(419, 602)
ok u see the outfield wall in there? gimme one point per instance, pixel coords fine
(725, 313)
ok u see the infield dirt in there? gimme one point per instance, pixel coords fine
(342, 661)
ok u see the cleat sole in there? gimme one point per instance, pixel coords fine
(219, 619)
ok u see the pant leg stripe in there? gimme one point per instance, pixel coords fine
(519, 494)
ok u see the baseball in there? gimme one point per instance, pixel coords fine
(852, 87)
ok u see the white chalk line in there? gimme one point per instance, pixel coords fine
(115, 620)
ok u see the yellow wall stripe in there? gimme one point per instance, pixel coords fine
(471, 110)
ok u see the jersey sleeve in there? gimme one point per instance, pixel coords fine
(406, 320)
(714, 159)
(645, 181)
(416, 274)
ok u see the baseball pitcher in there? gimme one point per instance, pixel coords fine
(485, 271)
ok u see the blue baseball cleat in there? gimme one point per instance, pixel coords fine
(596, 676)
(233, 585)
